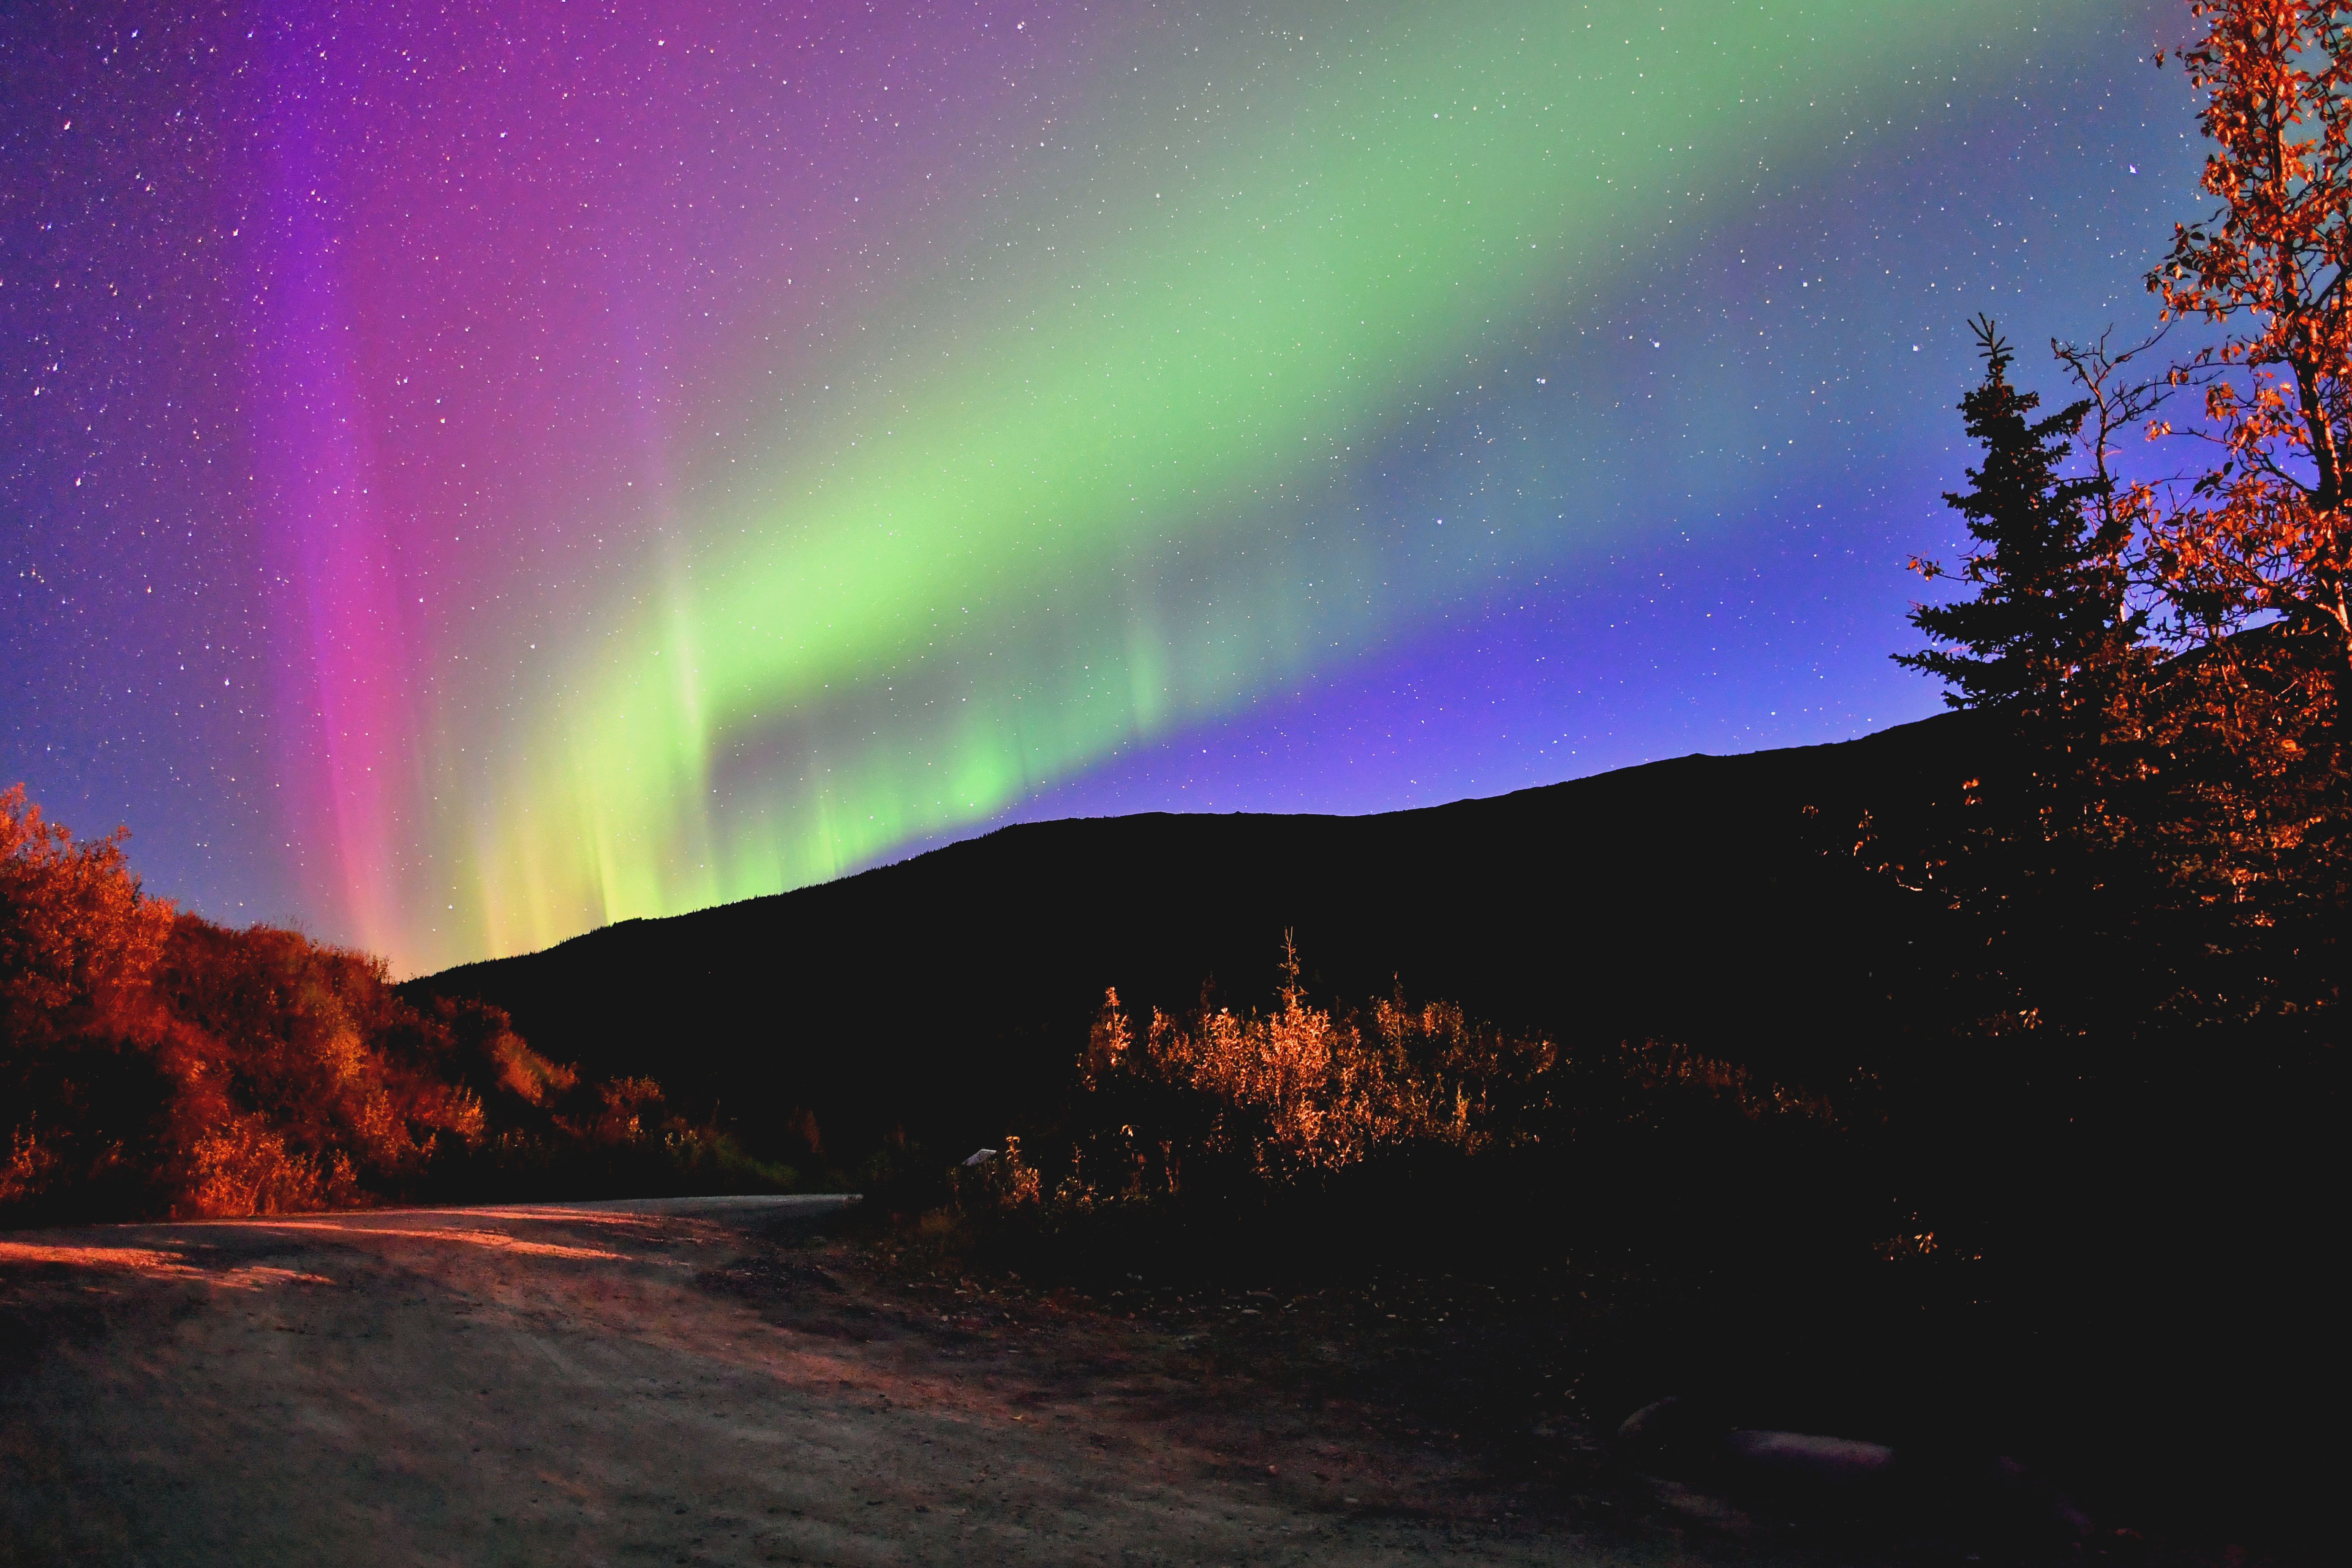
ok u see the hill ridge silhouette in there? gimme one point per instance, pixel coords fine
(1691, 898)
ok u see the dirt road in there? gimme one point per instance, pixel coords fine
(679, 1382)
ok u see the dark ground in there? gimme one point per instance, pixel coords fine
(2139, 1303)
(712, 1381)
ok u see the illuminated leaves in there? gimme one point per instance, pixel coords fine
(77, 938)
(153, 1062)
(2262, 534)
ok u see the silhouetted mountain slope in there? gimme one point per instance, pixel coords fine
(2120, 1270)
(1693, 899)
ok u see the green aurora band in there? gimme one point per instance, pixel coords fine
(1054, 513)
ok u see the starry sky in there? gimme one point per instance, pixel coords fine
(470, 475)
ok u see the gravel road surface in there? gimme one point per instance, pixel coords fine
(675, 1381)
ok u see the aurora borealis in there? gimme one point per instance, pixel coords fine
(473, 477)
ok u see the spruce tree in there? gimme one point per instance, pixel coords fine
(2047, 627)
(2039, 852)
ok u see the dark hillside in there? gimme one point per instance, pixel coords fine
(1995, 1239)
(1693, 899)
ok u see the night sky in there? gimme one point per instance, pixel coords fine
(470, 475)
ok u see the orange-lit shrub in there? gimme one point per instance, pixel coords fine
(242, 1166)
(154, 1063)
(82, 1085)
(77, 940)
(1226, 1105)
(618, 1112)
(304, 1045)
(1302, 1090)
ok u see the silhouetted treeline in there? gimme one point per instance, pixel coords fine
(2082, 1159)
(153, 1064)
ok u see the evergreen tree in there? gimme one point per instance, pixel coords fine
(2042, 853)
(2049, 629)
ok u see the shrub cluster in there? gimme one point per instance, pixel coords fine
(154, 1064)
(1303, 1124)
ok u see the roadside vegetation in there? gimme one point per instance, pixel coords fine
(2082, 1193)
(1225, 1143)
(153, 1064)
(2078, 1197)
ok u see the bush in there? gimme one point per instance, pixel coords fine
(1284, 1141)
(154, 1064)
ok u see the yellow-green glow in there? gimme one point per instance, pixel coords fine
(951, 577)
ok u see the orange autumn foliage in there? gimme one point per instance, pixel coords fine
(78, 941)
(1301, 1090)
(2266, 531)
(155, 1063)
(1220, 1109)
